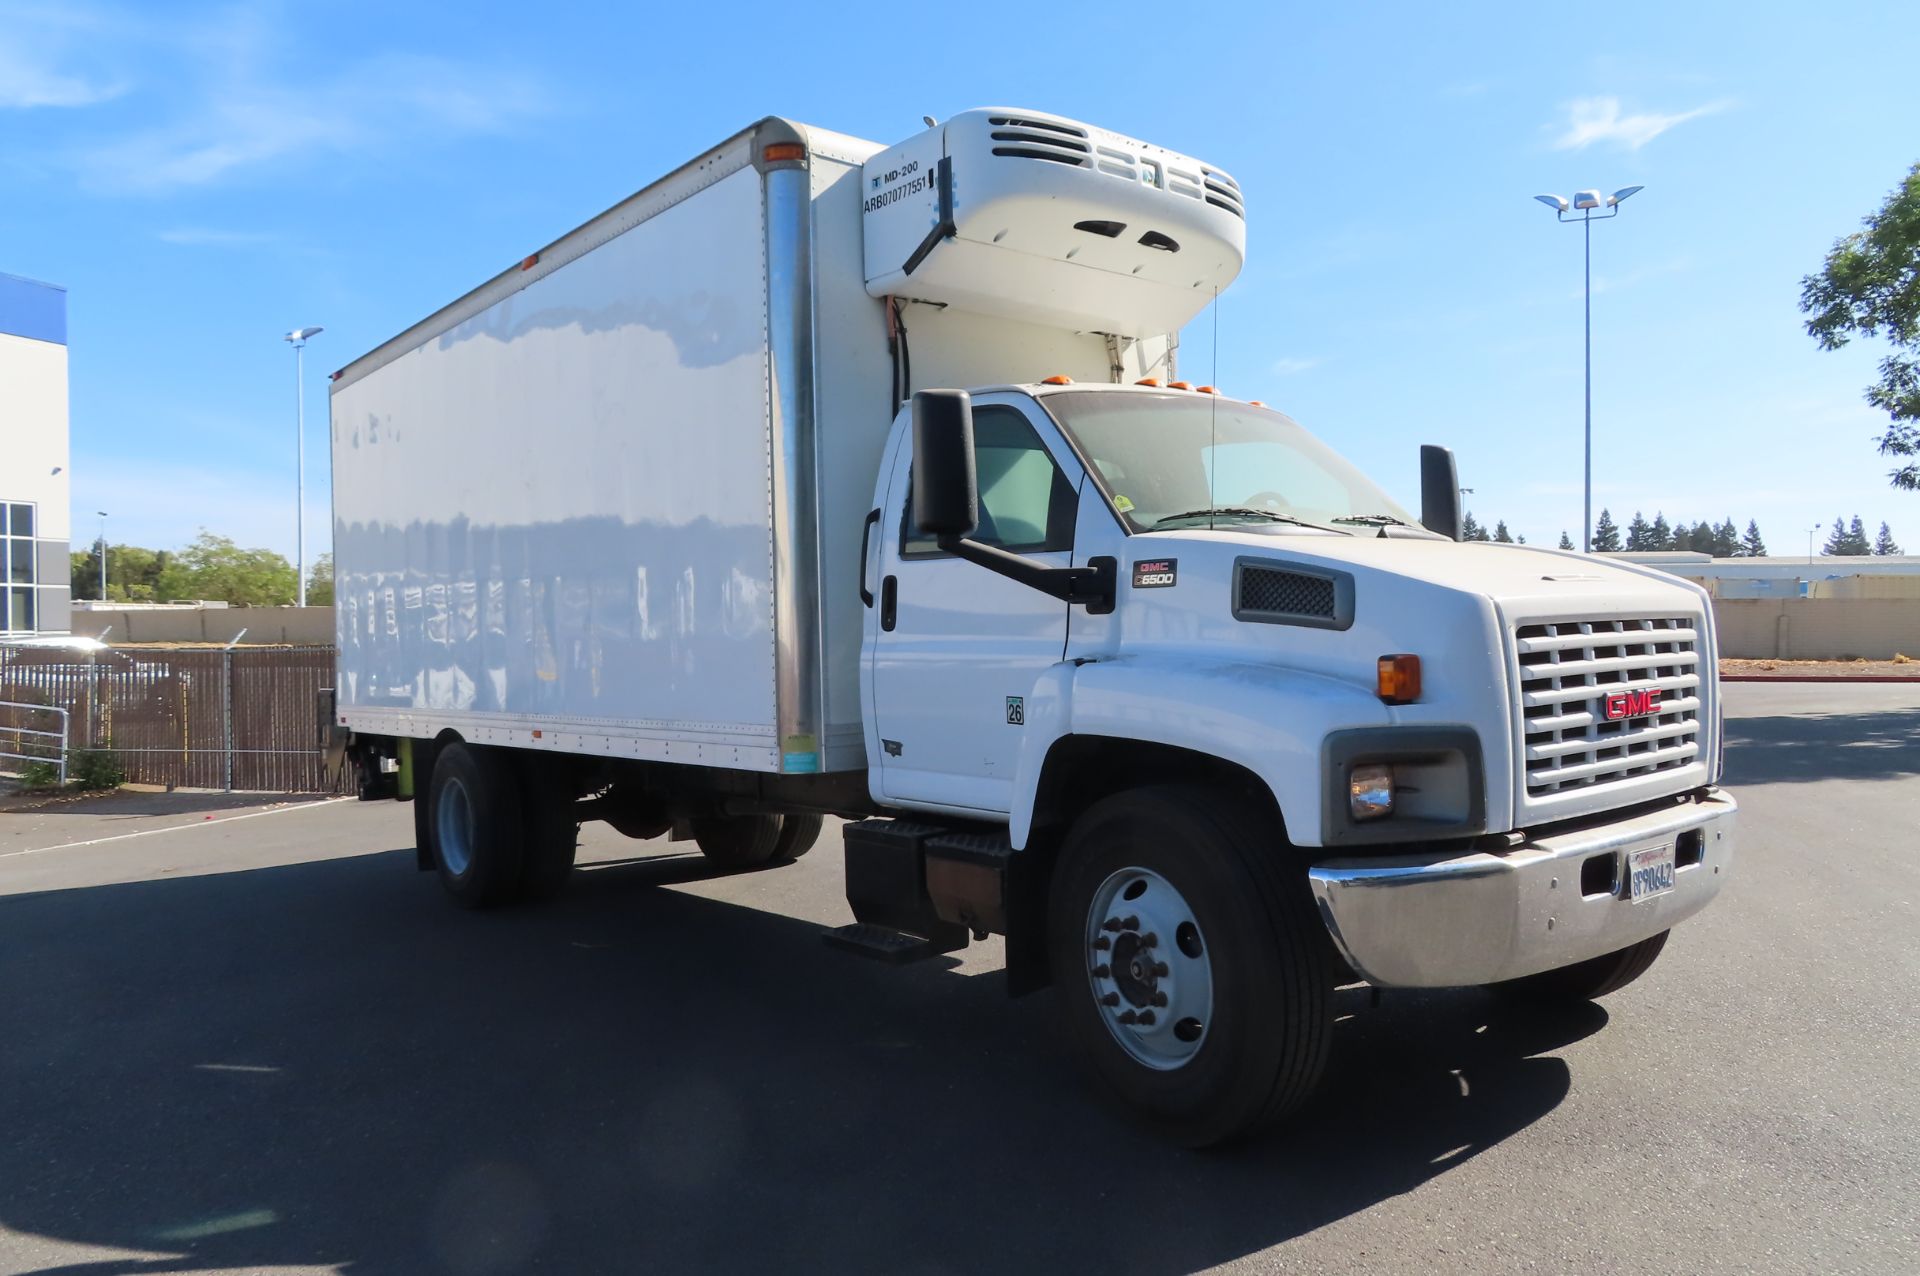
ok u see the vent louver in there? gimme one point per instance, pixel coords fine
(1286, 595)
(1041, 140)
(1224, 192)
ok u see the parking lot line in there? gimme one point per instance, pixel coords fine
(174, 828)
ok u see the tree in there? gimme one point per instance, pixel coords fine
(1847, 540)
(320, 582)
(1884, 543)
(1870, 285)
(1751, 546)
(1501, 534)
(1726, 540)
(1606, 536)
(133, 573)
(1470, 529)
(1659, 536)
(1566, 542)
(215, 569)
(1637, 534)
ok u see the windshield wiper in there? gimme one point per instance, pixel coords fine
(1372, 520)
(1243, 511)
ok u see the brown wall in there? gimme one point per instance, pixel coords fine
(1818, 628)
(296, 625)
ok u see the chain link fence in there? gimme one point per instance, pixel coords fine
(242, 718)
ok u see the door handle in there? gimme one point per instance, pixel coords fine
(889, 599)
(866, 531)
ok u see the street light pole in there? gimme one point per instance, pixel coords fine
(103, 554)
(299, 339)
(1586, 202)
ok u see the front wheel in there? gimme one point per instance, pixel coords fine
(1587, 980)
(1192, 966)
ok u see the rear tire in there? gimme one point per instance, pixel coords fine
(474, 815)
(738, 841)
(1588, 980)
(798, 833)
(1237, 975)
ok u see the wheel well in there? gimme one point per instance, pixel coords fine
(1082, 769)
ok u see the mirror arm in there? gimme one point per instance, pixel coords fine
(1092, 586)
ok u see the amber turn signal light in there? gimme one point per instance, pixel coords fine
(1058, 378)
(1399, 679)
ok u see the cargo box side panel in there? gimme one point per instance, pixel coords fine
(556, 515)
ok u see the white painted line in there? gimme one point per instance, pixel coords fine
(175, 828)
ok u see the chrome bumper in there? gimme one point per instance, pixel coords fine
(1433, 921)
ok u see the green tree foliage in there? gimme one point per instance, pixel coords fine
(1751, 546)
(1870, 285)
(1884, 542)
(320, 582)
(1637, 532)
(215, 569)
(1726, 540)
(1660, 535)
(1470, 529)
(1501, 534)
(1566, 542)
(1606, 534)
(1847, 540)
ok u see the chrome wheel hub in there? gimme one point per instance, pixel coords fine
(1149, 968)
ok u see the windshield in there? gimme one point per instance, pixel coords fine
(1165, 460)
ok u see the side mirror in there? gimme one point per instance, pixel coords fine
(946, 497)
(1439, 491)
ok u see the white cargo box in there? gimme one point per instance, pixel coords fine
(1041, 218)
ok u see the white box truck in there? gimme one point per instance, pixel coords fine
(684, 523)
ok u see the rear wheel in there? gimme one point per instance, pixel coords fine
(1586, 980)
(738, 841)
(798, 833)
(1192, 965)
(474, 825)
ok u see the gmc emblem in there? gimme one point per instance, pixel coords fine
(1632, 704)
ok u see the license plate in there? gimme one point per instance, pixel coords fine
(1649, 872)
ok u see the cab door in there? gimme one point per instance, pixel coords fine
(953, 648)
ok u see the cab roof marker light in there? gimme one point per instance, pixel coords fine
(1205, 389)
(1058, 378)
(1179, 385)
(1152, 381)
(1255, 403)
(530, 261)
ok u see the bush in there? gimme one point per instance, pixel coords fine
(36, 776)
(95, 769)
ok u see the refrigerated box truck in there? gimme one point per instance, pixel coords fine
(821, 478)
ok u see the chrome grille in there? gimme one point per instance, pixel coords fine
(1568, 668)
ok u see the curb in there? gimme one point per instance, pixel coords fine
(1816, 677)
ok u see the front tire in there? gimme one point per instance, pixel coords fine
(1191, 962)
(1588, 980)
(474, 819)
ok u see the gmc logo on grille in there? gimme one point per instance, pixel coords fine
(1632, 704)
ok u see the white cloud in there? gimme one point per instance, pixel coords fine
(1593, 120)
(209, 237)
(38, 46)
(253, 117)
(1292, 365)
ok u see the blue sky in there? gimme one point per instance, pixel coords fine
(205, 177)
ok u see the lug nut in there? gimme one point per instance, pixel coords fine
(1159, 999)
(1111, 999)
(1101, 971)
(1102, 943)
(1149, 940)
(1146, 1017)
(1127, 1016)
(1160, 970)
(1112, 923)
(1130, 923)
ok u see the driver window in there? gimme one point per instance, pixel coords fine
(1026, 503)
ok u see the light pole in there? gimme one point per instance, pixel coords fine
(103, 554)
(1811, 533)
(1586, 202)
(299, 339)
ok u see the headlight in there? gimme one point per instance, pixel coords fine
(1370, 791)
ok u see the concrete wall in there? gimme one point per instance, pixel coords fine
(301, 625)
(1818, 628)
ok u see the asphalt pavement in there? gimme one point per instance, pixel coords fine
(246, 1038)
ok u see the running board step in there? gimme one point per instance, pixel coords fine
(882, 943)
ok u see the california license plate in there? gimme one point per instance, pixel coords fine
(1649, 872)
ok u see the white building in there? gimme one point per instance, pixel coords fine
(35, 521)
(1792, 575)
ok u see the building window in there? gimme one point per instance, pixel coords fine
(16, 567)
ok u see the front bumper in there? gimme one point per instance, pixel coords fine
(1448, 919)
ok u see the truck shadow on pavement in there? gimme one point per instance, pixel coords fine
(1880, 745)
(324, 1064)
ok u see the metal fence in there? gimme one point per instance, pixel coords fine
(239, 718)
